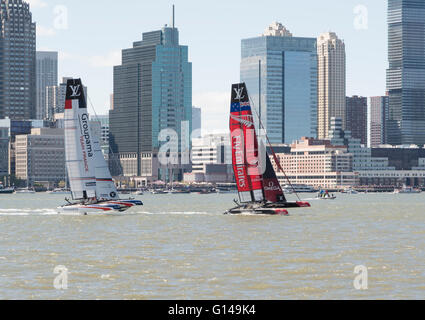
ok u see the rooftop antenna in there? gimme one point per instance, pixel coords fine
(174, 16)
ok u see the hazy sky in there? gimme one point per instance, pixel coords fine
(89, 36)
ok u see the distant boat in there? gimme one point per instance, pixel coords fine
(138, 193)
(325, 195)
(298, 188)
(159, 192)
(59, 191)
(350, 191)
(25, 191)
(4, 190)
(225, 190)
(174, 191)
(92, 188)
(258, 193)
(408, 190)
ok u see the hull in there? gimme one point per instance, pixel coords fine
(7, 191)
(25, 192)
(101, 208)
(87, 210)
(267, 209)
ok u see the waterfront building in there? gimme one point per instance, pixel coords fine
(40, 156)
(47, 76)
(17, 61)
(317, 163)
(356, 118)
(406, 72)
(211, 160)
(4, 152)
(377, 112)
(152, 92)
(196, 123)
(15, 128)
(362, 156)
(331, 82)
(284, 69)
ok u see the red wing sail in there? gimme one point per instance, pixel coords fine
(272, 189)
(245, 147)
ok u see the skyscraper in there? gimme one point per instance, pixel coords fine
(331, 83)
(47, 76)
(17, 61)
(356, 118)
(378, 109)
(406, 73)
(152, 92)
(196, 122)
(284, 69)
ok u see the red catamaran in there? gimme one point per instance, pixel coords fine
(259, 193)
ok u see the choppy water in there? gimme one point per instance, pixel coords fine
(183, 247)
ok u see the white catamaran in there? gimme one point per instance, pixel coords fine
(92, 188)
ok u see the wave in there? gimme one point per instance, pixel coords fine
(28, 212)
(176, 213)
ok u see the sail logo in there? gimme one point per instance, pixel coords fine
(272, 187)
(239, 93)
(75, 91)
(239, 161)
(247, 121)
(86, 134)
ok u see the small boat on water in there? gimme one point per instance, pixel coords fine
(325, 195)
(258, 193)
(178, 191)
(158, 191)
(4, 190)
(407, 190)
(350, 191)
(25, 191)
(298, 188)
(59, 191)
(93, 190)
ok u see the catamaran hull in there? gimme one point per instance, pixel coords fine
(86, 210)
(260, 211)
(102, 208)
(268, 209)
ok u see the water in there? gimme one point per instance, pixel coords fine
(183, 247)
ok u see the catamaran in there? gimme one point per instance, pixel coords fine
(92, 188)
(258, 193)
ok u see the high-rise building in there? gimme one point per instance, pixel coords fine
(196, 122)
(406, 73)
(4, 152)
(331, 81)
(17, 61)
(284, 69)
(152, 92)
(377, 111)
(356, 118)
(47, 76)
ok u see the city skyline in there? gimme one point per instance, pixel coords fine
(208, 41)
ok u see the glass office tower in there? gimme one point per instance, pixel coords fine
(406, 73)
(17, 61)
(284, 69)
(152, 92)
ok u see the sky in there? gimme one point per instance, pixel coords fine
(89, 36)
